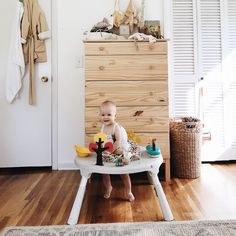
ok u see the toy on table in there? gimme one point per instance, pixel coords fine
(120, 162)
(153, 150)
(98, 147)
(133, 137)
(127, 157)
(82, 151)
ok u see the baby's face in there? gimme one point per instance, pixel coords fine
(108, 114)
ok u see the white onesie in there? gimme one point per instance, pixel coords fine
(124, 138)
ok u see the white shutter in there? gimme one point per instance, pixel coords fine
(209, 20)
(212, 55)
(230, 82)
(210, 58)
(184, 63)
(183, 37)
(184, 99)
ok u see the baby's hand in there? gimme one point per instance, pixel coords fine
(106, 153)
(118, 151)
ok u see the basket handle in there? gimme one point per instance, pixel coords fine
(190, 125)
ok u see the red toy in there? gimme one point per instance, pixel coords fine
(99, 148)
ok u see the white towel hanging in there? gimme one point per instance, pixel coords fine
(16, 64)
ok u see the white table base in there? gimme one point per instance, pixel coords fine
(87, 167)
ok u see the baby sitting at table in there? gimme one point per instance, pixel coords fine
(118, 136)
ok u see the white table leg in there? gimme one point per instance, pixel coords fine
(162, 197)
(74, 214)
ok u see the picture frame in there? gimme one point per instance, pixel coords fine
(124, 30)
(152, 27)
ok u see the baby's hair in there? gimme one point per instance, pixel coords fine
(108, 103)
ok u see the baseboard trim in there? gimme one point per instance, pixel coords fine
(67, 166)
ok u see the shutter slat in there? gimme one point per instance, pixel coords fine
(184, 104)
(183, 37)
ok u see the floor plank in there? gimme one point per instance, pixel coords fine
(45, 197)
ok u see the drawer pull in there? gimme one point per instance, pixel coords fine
(138, 113)
(151, 46)
(101, 67)
(101, 48)
(161, 100)
(136, 46)
(94, 125)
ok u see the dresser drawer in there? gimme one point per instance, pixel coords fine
(117, 48)
(123, 67)
(162, 141)
(141, 119)
(127, 93)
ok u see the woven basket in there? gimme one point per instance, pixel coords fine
(185, 146)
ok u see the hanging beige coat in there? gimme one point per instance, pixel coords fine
(34, 31)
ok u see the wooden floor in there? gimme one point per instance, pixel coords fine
(45, 197)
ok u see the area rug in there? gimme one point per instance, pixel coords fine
(175, 228)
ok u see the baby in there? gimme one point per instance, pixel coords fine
(118, 136)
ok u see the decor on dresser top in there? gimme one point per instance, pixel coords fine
(124, 30)
(143, 37)
(103, 26)
(128, 22)
(152, 27)
(118, 15)
(141, 14)
(131, 16)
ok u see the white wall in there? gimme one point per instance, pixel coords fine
(74, 17)
(7, 12)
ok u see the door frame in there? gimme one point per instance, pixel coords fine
(54, 88)
(167, 18)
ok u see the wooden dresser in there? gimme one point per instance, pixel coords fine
(134, 75)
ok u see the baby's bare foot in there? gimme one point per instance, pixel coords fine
(107, 193)
(131, 197)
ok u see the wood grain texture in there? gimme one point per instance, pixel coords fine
(127, 93)
(134, 75)
(125, 67)
(139, 119)
(36, 197)
(45, 197)
(125, 48)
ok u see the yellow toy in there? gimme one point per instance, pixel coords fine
(135, 138)
(82, 151)
(101, 136)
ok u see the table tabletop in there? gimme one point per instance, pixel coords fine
(145, 163)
